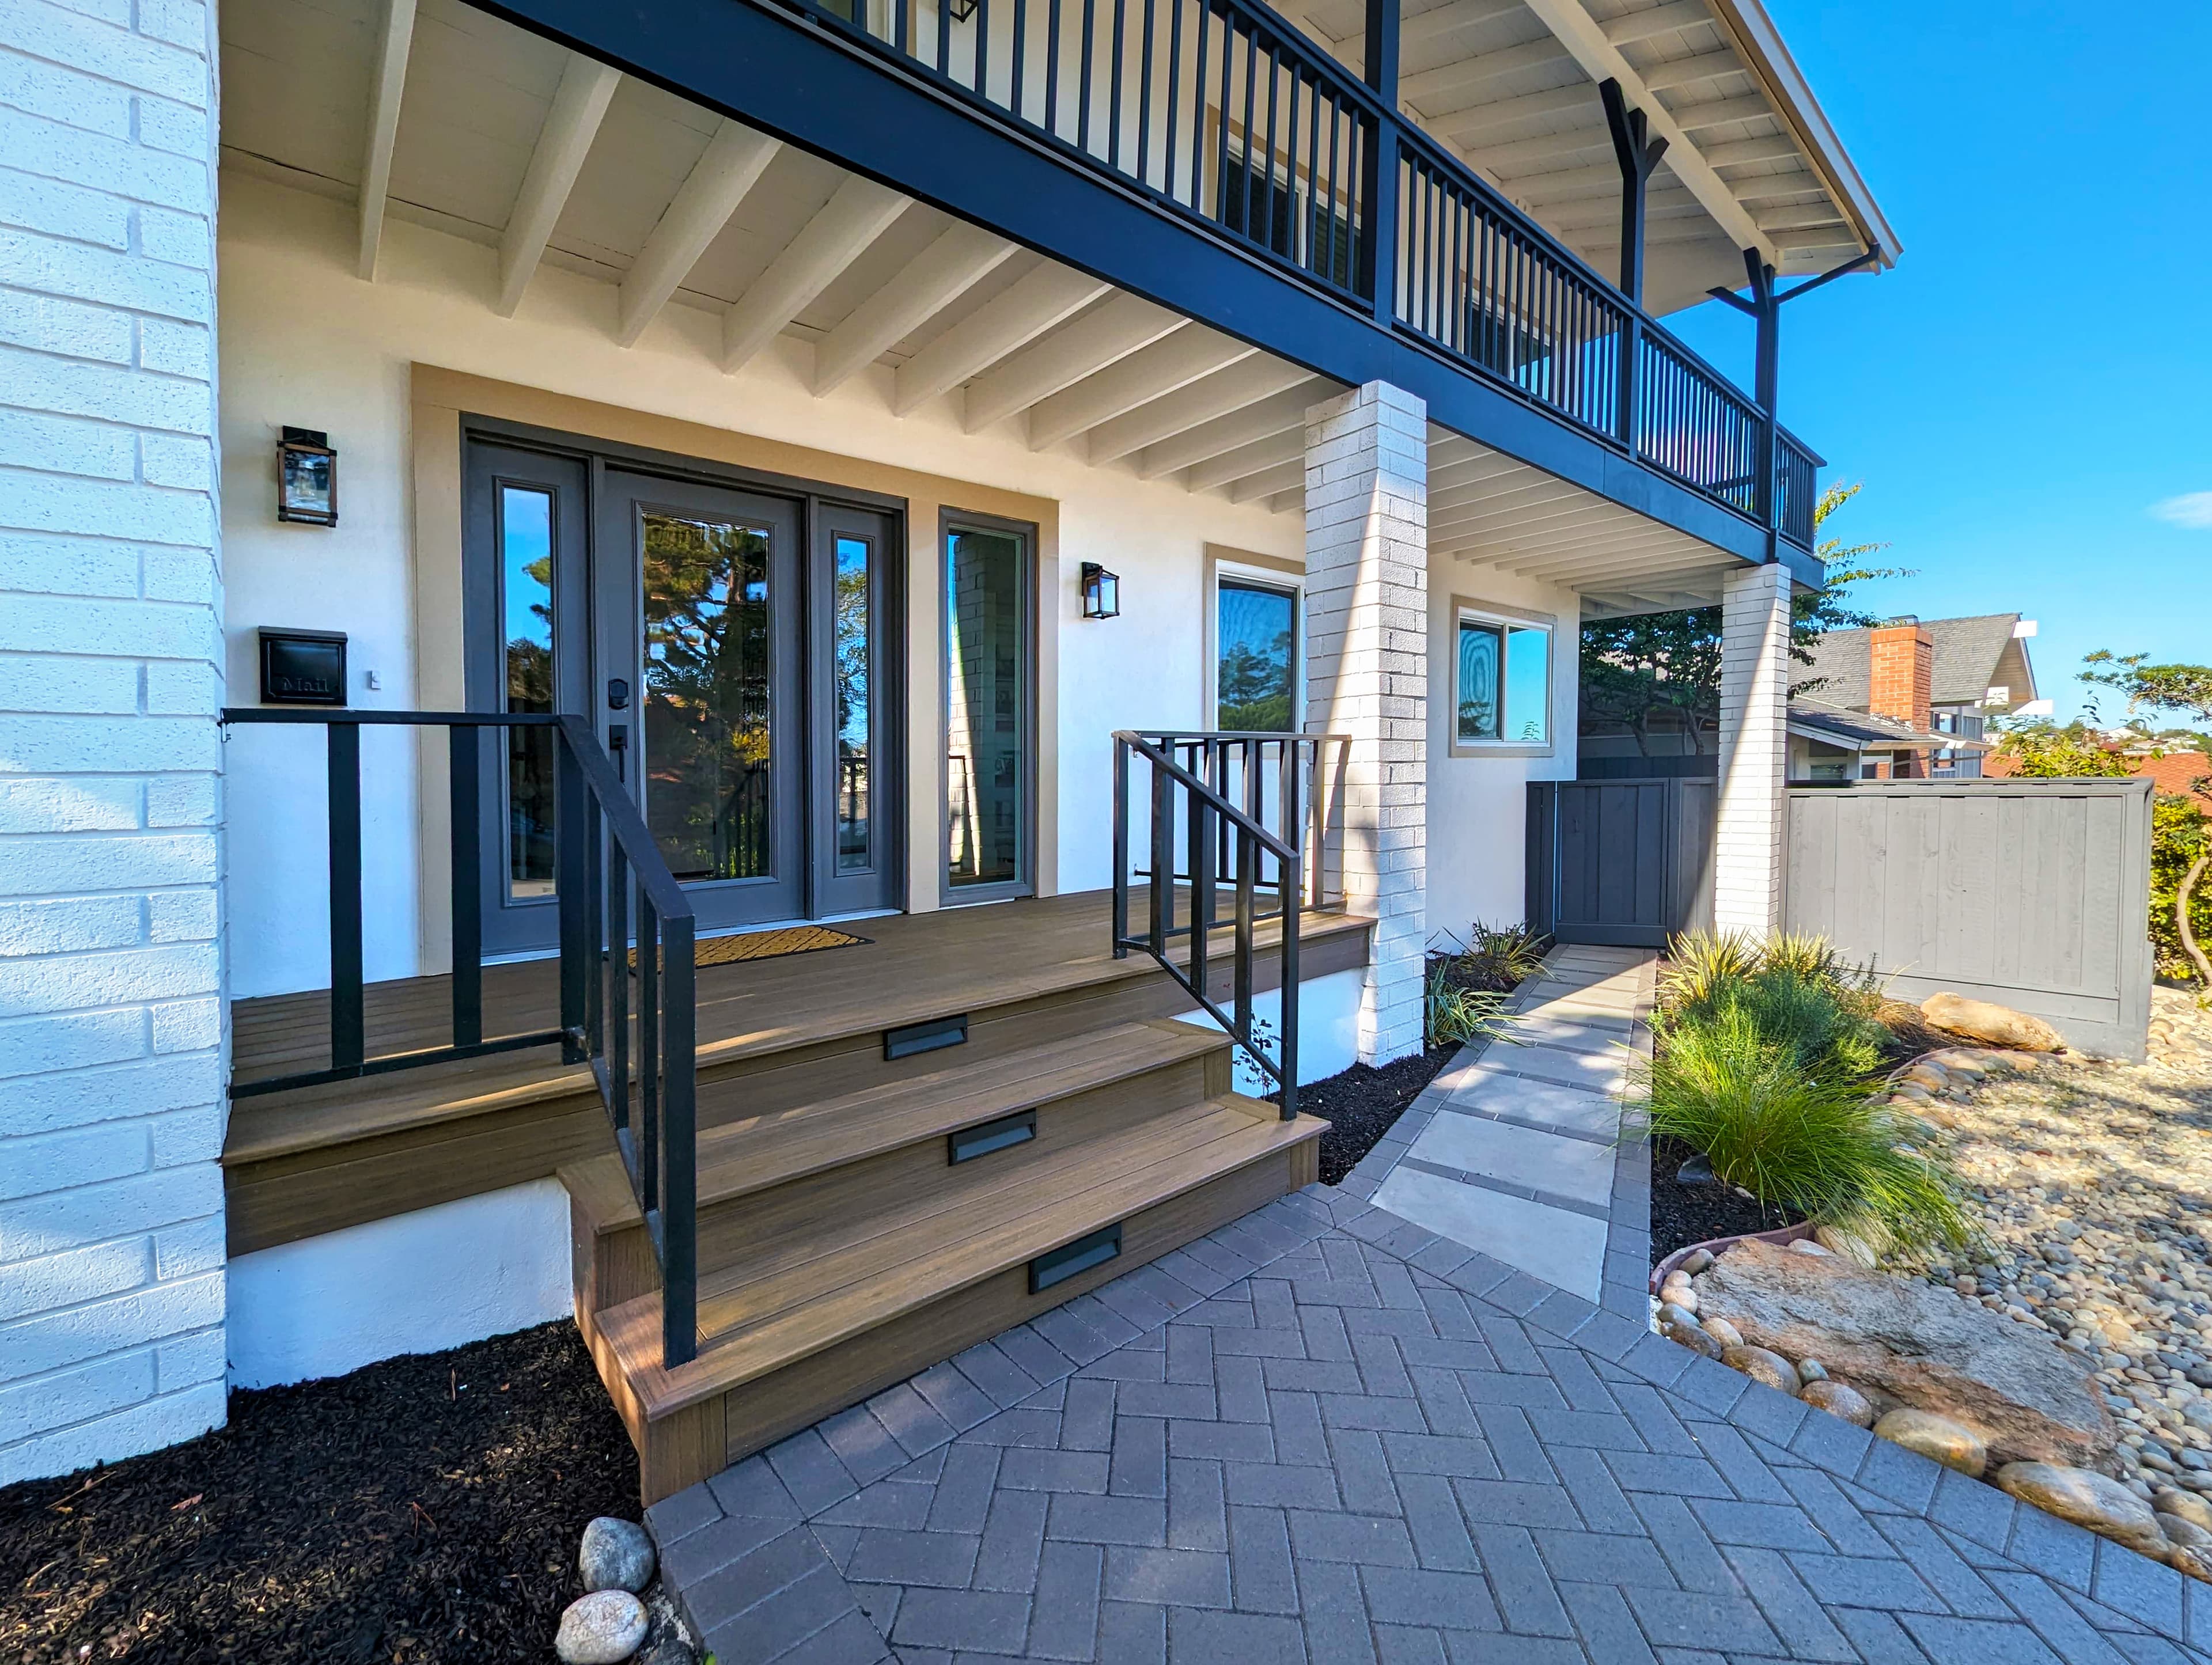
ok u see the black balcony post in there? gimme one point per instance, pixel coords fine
(1767, 314)
(1637, 154)
(1378, 184)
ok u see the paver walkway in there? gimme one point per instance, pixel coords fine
(1326, 1434)
(1515, 1149)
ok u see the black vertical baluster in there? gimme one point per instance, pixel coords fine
(1145, 74)
(650, 1063)
(465, 849)
(1052, 67)
(1287, 789)
(1121, 848)
(347, 1032)
(902, 31)
(1251, 93)
(1205, 20)
(1286, 1052)
(1228, 74)
(1201, 888)
(1162, 857)
(1247, 855)
(982, 54)
(618, 984)
(568, 889)
(1021, 55)
(595, 944)
(1114, 115)
(1084, 70)
(680, 1208)
(1267, 155)
(1174, 90)
(1321, 231)
(1336, 188)
(1300, 244)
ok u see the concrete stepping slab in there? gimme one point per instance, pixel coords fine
(1563, 1248)
(1577, 1169)
(1517, 1098)
(1590, 1033)
(1600, 1071)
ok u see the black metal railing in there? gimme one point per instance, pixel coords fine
(1797, 478)
(1222, 112)
(627, 1000)
(1210, 799)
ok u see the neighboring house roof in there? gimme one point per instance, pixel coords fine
(1972, 656)
(1859, 731)
(2176, 773)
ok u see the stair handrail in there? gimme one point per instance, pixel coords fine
(602, 851)
(1219, 834)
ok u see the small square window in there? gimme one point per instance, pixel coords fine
(1502, 672)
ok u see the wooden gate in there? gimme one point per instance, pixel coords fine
(1621, 863)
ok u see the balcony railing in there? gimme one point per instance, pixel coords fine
(1221, 113)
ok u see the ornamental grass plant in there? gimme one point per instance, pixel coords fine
(1767, 1059)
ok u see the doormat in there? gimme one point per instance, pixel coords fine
(767, 944)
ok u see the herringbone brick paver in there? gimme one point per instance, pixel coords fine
(1314, 1437)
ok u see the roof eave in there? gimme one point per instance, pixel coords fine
(1764, 50)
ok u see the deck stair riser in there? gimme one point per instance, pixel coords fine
(763, 1179)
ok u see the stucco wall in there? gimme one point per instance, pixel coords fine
(1477, 806)
(307, 344)
(111, 971)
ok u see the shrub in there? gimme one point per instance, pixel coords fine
(1500, 956)
(1457, 1014)
(1700, 963)
(1808, 1139)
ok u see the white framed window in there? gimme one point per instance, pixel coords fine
(1502, 674)
(1256, 641)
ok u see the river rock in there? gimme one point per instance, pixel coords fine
(1722, 1331)
(1672, 1312)
(1695, 1262)
(2189, 1506)
(1761, 1366)
(616, 1555)
(1848, 1244)
(1811, 1370)
(603, 1628)
(1839, 1399)
(2180, 1531)
(2105, 1506)
(1689, 1335)
(2190, 1561)
(1907, 1341)
(1937, 1438)
(2000, 1025)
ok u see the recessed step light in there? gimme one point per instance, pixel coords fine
(985, 1137)
(1058, 1265)
(924, 1037)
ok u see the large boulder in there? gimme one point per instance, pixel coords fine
(2029, 1400)
(1999, 1025)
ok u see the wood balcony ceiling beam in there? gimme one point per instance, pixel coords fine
(1285, 413)
(1247, 460)
(388, 85)
(858, 212)
(961, 258)
(1145, 375)
(572, 122)
(1101, 337)
(731, 166)
(1658, 20)
(1048, 296)
(1467, 73)
(1240, 386)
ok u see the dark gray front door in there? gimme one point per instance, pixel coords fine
(737, 651)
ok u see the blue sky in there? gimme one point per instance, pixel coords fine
(2035, 376)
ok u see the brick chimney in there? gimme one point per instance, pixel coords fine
(1903, 680)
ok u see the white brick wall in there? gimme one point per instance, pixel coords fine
(1367, 675)
(1754, 748)
(111, 971)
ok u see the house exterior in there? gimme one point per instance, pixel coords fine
(849, 462)
(1934, 683)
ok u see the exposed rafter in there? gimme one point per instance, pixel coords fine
(1466, 74)
(1237, 388)
(1108, 332)
(1719, 112)
(858, 212)
(1516, 154)
(1285, 413)
(1051, 294)
(1246, 460)
(578, 105)
(1438, 22)
(1470, 127)
(731, 166)
(1600, 58)
(1143, 376)
(962, 256)
(1659, 19)
(1689, 71)
(387, 87)
(1766, 148)
(1284, 477)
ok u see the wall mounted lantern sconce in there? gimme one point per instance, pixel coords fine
(1101, 592)
(307, 477)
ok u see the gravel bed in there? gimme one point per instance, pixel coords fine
(2096, 1182)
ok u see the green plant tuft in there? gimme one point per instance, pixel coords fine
(1500, 956)
(1458, 1014)
(1811, 1141)
(1701, 962)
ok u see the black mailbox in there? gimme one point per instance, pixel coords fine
(303, 667)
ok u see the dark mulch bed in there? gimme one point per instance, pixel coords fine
(423, 1510)
(1360, 1104)
(1685, 1214)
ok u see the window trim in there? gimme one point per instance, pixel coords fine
(1468, 610)
(1260, 572)
(950, 520)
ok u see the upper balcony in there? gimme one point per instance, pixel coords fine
(1456, 238)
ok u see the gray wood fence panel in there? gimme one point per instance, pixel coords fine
(2030, 893)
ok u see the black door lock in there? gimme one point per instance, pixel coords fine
(617, 694)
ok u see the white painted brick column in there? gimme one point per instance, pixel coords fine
(1754, 748)
(111, 1025)
(1367, 676)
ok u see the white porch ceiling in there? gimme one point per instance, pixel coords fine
(431, 112)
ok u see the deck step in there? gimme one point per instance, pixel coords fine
(756, 1154)
(850, 1303)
